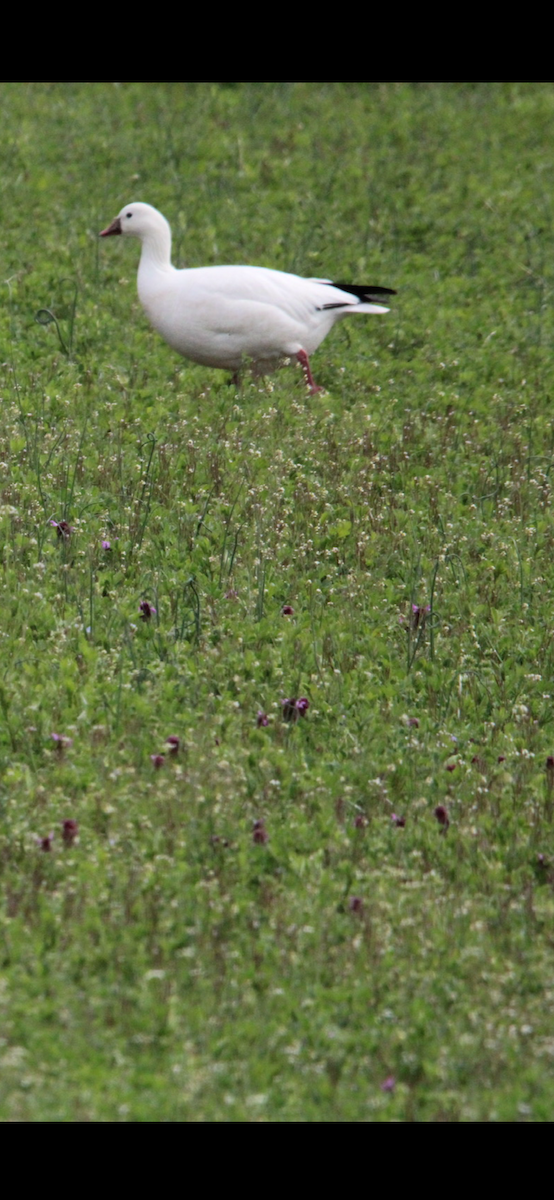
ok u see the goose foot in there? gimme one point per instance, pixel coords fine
(305, 364)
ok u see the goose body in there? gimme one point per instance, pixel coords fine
(222, 316)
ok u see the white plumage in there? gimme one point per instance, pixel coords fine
(224, 316)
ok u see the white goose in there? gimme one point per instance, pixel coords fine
(220, 316)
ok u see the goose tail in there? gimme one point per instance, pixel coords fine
(370, 298)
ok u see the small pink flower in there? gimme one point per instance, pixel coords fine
(157, 760)
(287, 610)
(360, 821)
(441, 814)
(70, 830)
(302, 706)
(60, 742)
(262, 719)
(388, 1084)
(451, 766)
(399, 821)
(45, 843)
(356, 904)
(106, 545)
(172, 742)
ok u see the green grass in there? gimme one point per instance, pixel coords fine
(166, 965)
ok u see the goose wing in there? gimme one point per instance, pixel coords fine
(292, 294)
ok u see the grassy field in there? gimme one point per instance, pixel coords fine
(272, 922)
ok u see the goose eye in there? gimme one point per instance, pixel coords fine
(129, 215)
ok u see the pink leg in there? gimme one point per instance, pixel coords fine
(305, 364)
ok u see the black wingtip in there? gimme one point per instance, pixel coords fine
(365, 292)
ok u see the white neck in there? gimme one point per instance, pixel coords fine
(156, 249)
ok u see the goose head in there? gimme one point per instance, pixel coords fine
(139, 220)
(146, 223)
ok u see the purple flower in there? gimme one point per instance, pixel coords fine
(262, 719)
(441, 814)
(451, 766)
(106, 545)
(356, 904)
(259, 833)
(45, 843)
(63, 530)
(70, 830)
(419, 613)
(399, 821)
(388, 1084)
(287, 610)
(289, 710)
(172, 742)
(413, 722)
(157, 760)
(146, 610)
(293, 709)
(360, 821)
(61, 742)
